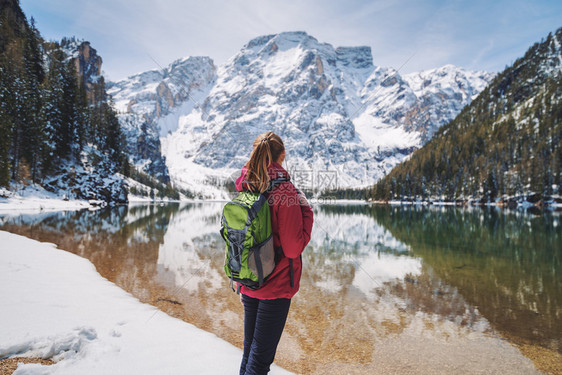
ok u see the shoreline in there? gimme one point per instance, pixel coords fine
(35, 198)
(58, 204)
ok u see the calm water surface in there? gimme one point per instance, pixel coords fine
(384, 289)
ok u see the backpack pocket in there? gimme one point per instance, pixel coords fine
(261, 259)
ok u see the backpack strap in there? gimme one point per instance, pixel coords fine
(255, 208)
(252, 186)
(292, 273)
(274, 183)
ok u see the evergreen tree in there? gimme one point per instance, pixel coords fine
(16, 113)
(53, 106)
(32, 123)
(5, 125)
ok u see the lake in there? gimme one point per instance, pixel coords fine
(384, 289)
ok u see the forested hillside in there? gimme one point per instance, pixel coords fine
(58, 128)
(51, 134)
(505, 146)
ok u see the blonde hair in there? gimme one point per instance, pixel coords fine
(267, 147)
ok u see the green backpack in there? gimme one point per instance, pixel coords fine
(246, 229)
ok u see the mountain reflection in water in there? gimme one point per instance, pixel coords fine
(383, 287)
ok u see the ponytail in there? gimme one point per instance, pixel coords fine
(267, 148)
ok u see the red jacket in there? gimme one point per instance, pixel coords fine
(291, 224)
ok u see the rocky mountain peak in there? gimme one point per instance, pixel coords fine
(334, 109)
(88, 64)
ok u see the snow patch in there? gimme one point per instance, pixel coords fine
(55, 305)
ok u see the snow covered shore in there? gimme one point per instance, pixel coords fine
(55, 305)
(35, 198)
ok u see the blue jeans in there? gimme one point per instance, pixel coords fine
(264, 321)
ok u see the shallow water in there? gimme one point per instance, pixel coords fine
(384, 289)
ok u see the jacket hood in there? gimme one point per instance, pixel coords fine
(275, 170)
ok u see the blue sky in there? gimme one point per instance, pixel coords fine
(129, 35)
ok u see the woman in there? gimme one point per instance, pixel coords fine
(266, 309)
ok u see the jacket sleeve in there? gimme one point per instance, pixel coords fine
(295, 225)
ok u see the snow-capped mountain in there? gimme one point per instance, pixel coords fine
(150, 105)
(335, 110)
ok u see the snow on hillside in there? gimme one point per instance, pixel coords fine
(151, 104)
(55, 305)
(443, 93)
(35, 198)
(334, 108)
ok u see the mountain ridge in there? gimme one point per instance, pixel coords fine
(335, 110)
